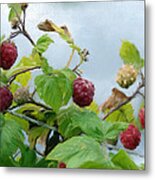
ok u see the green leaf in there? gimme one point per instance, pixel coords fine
(25, 63)
(112, 130)
(78, 151)
(57, 89)
(10, 136)
(123, 160)
(36, 133)
(43, 43)
(28, 157)
(14, 10)
(74, 120)
(21, 80)
(130, 54)
(93, 107)
(124, 114)
(22, 122)
(69, 74)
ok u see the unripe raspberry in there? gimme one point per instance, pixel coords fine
(21, 95)
(6, 98)
(83, 92)
(126, 76)
(61, 165)
(131, 137)
(8, 54)
(142, 117)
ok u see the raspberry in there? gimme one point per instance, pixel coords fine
(131, 137)
(126, 76)
(142, 117)
(62, 165)
(83, 92)
(8, 55)
(6, 98)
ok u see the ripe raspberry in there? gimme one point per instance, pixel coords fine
(62, 165)
(6, 98)
(83, 92)
(126, 76)
(142, 117)
(131, 137)
(8, 55)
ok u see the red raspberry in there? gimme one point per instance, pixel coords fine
(6, 98)
(142, 117)
(131, 137)
(83, 92)
(62, 165)
(8, 55)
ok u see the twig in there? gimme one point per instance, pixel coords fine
(70, 58)
(39, 123)
(128, 151)
(77, 66)
(125, 102)
(12, 78)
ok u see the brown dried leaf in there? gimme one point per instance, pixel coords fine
(114, 100)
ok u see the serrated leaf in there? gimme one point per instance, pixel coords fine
(77, 151)
(73, 120)
(130, 54)
(10, 136)
(28, 157)
(14, 10)
(69, 74)
(93, 107)
(112, 130)
(43, 43)
(57, 89)
(123, 160)
(123, 114)
(22, 122)
(25, 63)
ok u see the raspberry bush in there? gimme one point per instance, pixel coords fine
(59, 111)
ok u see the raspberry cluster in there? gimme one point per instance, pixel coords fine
(83, 92)
(131, 137)
(6, 98)
(8, 55)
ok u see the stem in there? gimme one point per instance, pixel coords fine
(39, 123)
(70, 58)
(12, 78)
(77, 66)
(128, 151)
(125, 102)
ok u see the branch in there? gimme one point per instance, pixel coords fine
(39, 123)
(70, 58)
(12, 78)
(128, 151)
(125, 102)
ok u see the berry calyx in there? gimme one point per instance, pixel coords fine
(83, 92)
(6, 98)
(21, 96)
(61, 165)
(8, 55)
(141, 116)
(131, 137)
